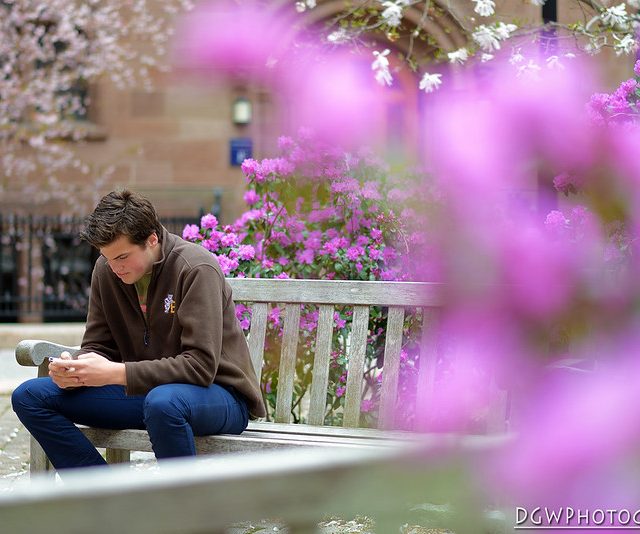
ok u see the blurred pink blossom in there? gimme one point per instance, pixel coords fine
(237, 40)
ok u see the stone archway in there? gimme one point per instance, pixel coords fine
(402, 103)
(443, 22)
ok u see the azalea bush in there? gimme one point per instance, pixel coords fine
(317, 212)
(620, 106)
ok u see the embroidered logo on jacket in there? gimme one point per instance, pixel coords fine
(169, 304)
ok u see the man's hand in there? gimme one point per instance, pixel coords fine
(89, 369)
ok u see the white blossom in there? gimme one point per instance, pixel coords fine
(430, 82)
(615, 16)
(392, 14)
(516, 57)
(503, 31)
(553, 62)
(380, 67)
(458, 56)
(486, 38)
(594, 46)
(338, 37)
(302, 6)
(530, 70)
(626, 45)
(485, 8)
(71, 42)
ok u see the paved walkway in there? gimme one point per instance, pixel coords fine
(14, 439)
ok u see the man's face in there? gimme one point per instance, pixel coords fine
(129, 261)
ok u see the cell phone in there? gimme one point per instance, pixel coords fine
(53, 359)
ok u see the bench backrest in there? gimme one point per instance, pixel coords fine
(327, 294)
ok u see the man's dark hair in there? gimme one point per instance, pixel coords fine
(121, 213)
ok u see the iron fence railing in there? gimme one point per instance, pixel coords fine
(45, 270)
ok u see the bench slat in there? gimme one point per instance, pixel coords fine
(337, 292)
(287, 363)
(298, 429)
(257, 332)
(324, 337)
(358, 348)
(427, 368)
(115, 441)
(392, 348)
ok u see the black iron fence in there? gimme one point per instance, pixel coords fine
(45, 270)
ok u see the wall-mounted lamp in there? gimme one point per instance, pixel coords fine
(241, 111)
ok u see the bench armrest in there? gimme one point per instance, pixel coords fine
(32, 352)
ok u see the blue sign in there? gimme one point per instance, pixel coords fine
(240, 149)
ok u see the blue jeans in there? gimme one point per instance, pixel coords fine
(172, 414)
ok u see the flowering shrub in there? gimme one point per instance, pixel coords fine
(622, 106)
(530, 295)
(315, 212)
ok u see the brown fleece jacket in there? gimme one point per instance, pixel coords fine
(190, 333)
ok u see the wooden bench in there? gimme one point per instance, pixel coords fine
(327, 295)
(210, 494)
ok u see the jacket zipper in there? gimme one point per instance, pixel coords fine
(146, 315)
(146, 335)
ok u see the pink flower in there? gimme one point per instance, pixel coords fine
(191, 232)
(370, 191)
(557, 224)
(374, 253)
(246, 41)
(313, 241)
(387, 275)
(338, 321)
(376, 234)
(212, 245)
(229, 240)
(347, 185)
(332, 233)
(241, 309)
(283, 261)
(209, 221)
(285, 143)
(246, 252)
(283, 276)
(251, 197)
(340, 390)
(353, 253)
(249, 167)
(305, 256)
(566, 183)
(367, 405)
(636, 68)
(276, 167)
(227, 265)
(389, 254)
(330, 247)
(274, 315)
